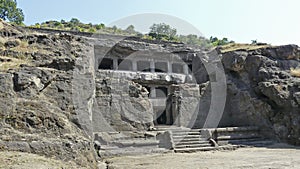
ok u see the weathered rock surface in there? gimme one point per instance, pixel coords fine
(36, 108)
(50, 90)
(262, 91)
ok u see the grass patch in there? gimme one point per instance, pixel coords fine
(295, 72)
(238, 46)
(12, 63)
(24, 47)
(3, 40)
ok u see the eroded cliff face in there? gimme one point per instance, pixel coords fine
(263, 91)
(37, 114)
(50, 89)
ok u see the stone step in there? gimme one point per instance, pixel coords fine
(188, 139)
(131, 138)
(172, 128)
(192, 145)
(131, 151)
(187, 136)
(237, 129)
(164, 129)
(136, 143)
(186, 130)
(186, 133)
(224, 142)
(178, 129)
(228, 138)
(238, 136)
(257, 143)
(197, 138)
(191, 150)
(192, 142)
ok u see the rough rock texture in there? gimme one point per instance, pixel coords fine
(51, 91)
(189, 105)
(262, 90)
(36, 108)
(123, 104)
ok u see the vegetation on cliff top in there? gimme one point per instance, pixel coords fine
(159, 31)
(10, 12)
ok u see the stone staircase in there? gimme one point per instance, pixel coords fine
(191, 140)
(126, 145)
(241, 136)
(185, 140)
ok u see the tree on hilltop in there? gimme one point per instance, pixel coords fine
(130, 29)
(162, 31)
(10, 12)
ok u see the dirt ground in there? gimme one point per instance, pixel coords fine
(278, 156)
(19, 160)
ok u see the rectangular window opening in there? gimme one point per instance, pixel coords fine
(177, 68)
(106, 64)
(143, 66)
(161, 67)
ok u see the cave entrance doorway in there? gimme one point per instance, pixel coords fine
(163, 114)
(162, 118)
(160, 99)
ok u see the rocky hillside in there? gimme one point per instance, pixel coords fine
(264, 85)
(37, 110)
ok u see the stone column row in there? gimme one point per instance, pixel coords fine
(152, 66)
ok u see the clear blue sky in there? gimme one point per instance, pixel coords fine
(272, 21)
